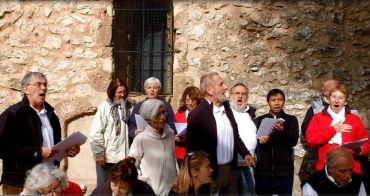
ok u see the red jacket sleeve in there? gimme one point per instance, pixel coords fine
(319, 131)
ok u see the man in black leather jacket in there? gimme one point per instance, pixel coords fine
(28, 131)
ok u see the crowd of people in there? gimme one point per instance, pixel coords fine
(225, 148)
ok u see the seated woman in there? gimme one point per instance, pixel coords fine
(154, 148)
(45, 179)
(123, 180)
(195, 176)
(334, 126)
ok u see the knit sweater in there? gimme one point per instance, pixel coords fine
(155, 157)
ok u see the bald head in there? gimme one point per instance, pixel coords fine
(328, 85)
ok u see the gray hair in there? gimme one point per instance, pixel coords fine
(27, 78)
(206, 80)
(333, 155)
(152, 80)
(42, 175)
(239, 84)
(149, 109)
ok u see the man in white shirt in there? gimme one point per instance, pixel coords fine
(247, 130)
(336, 178)
(28, 131)
(212, 128)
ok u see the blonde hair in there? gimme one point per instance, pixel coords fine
(183, 181)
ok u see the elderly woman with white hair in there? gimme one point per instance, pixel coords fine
(45, 179)
(152, 87)
(154, 148)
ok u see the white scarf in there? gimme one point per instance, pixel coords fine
(337, 118)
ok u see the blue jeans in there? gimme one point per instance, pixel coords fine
(269, 185)
(245, 181)
(102, 173)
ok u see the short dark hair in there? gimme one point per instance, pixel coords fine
(113, 85)
(274, 92)
(124, 171)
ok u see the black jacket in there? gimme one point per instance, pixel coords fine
(323, 186)
(21, 140)
(138, 188)
(275, 158)
(201, 133)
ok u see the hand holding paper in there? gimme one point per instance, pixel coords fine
(181, 128)
(68, 145)
(266, 126)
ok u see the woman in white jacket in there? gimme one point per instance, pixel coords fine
(154, 148)
(109, 133)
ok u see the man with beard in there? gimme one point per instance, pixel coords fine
(28, 131)
(212, 128)
(244, 116)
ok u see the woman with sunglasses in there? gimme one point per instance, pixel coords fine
(154, 148)
(195, 176)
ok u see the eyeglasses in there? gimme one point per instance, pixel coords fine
(56, 190)
(163, 112)
(39, 84)
(190, 100)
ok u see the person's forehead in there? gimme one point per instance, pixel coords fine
(152, 84)
(240, 89)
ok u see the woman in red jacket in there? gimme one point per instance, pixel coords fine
(189, 100)
(336, 125)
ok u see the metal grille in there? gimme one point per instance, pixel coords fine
(143, 42)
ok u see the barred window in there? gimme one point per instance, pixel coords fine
(143, 42)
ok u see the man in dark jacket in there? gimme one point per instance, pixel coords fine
(212, 128)
(28, 131)
(275, 164)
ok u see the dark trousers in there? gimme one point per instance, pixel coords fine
(269, 185)
(102, 173)
(226, 180)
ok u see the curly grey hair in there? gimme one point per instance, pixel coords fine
(42, 175)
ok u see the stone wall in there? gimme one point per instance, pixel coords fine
(291, 45)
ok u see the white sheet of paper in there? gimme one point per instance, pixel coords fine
(181, 128)
(74, 138)
(355, 144)
(140, 122)
(266, 126)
